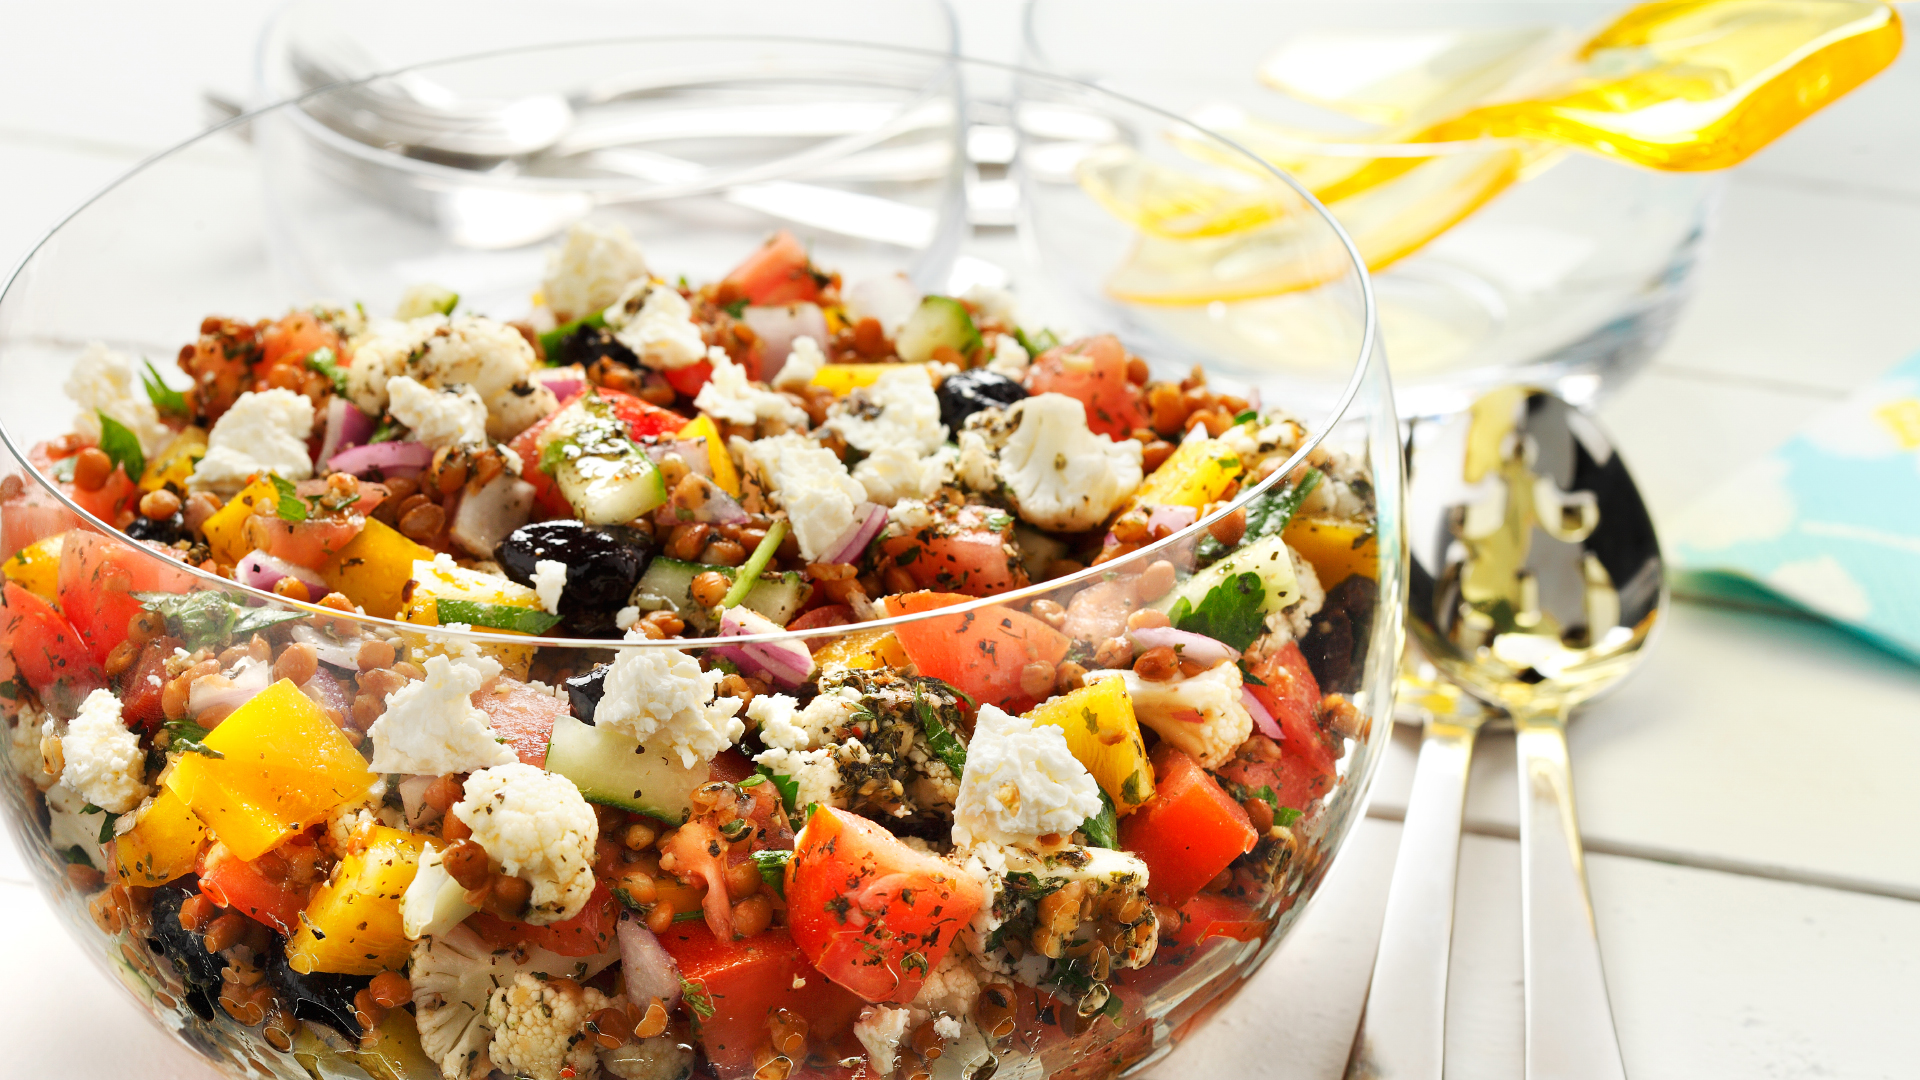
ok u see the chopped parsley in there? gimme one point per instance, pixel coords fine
(165, 398)
(106, 823)
(1230, 612)
(190, 738)
(1103, 829)
(208, 618)
(940, 739)
(1286, 815)
(695, 995)
(735, 309)
(495, 616)
(1266, 516)
(773, 869)
(326, 363)
(787, 786)
(121, 446)
(287, 501)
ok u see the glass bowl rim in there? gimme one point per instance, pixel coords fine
(1368, 354)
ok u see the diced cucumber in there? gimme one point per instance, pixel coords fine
(611, 491)
(610, 768)
(668, 584)
(939, 320)
(1266, 557)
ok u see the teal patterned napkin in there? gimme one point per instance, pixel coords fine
(1829, 523)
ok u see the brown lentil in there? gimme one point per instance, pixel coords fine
(1148, 619)
(743, 880)
(159, 505)
(91, 469)
(666, 622)
(710, 587)
(423, 522)
(639, 836)
(660, 918)
(687, 539)
(1036, 679)
(466, 863)
(225, 932)
(723, 553)
(654, 1022)
(298, 662)
(1049, 612)
(1155, 581)
(1158, 664)
(374, 654)
(292, 588)
(752, 915)
(121, 658)
(1114, 652)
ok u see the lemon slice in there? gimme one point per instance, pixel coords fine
(1164, 201)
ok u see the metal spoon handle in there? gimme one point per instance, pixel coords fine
(1570, 1034)
(1403, 1025)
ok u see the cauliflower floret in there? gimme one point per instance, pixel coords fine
(880, 1030)
(104, 762)
(811, 484)
(729, 395)
(431, 727)
(539, 1026)
(1168, 708)
(453, 977)
(1292, 622)
(105, 381)
(591, 269)
(438, 417)
(357, 816)
(804, 361)
(264, 432)
(898, 410)
(1009, 357)
(663, 692)
(537, 826)
(489, 357)
(1041, 455)
(1021, 782)
(656, 322)
(896, 472)
(949, 992)
(815, 773)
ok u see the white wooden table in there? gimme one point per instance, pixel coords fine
(1749, 799)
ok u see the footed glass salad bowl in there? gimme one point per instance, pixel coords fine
(646, 602)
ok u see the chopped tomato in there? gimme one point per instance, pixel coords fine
(699, 855)
(1188, 832)
(738, 984)
(1211, 915)
(522, 716)
(1305, 770)
(140, 697)
(972, 553)
(220, 361)
(588, 933)
(108, 502)
(824, 615)
(47, 651)
(1094, 371)
(98, 578)
(327, 529)
(643, 420)
(731, 765)
(288, 343)
(778, 272)
(980, 653)
(873, 914)
(271, 889)
(31, 518)
(688, 380)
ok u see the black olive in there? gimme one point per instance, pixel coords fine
(318, 998)
(603, 565)
(585, 692)
(588, 344)
(160, 531)
(185, 949)
(967, 392)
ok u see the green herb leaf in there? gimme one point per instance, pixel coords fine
(1245, 416)
(787, 786)
(495, 616)
(1247, 676)
(326, 363)
(63, 469)
(1103, 829)
(552, 340)
(688, 916)
(627, 901)
(1266, 516)
(76, 856)
(121, 445)
(735, 309)
(695, 995)
(1036, 343)
(1265, 793)
(1286, 815)
(287, 504)
(940, 739)
(1230, 612)
(165, 399)
(387, 431)
(251, 621)
(208, 618)
(773, 869)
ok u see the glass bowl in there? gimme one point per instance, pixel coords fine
(1563, 270)
(195, 231)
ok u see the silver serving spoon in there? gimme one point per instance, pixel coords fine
(1536, 582)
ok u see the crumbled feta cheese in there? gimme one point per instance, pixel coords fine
(911, 515)
(773, 716)
(104, 761)
(656, 322)
(537, 826)
(432, 727)
(591, 269)
(1042, 456)
(899, 409)
(804, 361)
(815, 773)
(264, 432)
(626, 617)
(549, 581)
(993, 303)
(880, 1030)
(662, 693)
(946, 1027)
(1009, 357)
(105, 381)
(1292, 622)
(1171, 707)
(812, 485)
(729, 395)
(438, 417)
(1021, 782)
(893, 473)
(445, 354)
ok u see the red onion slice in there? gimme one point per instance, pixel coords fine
(391, 458)
(1171, 518)
(341, 655)
(867, 524)
(227, 692)
(1262, 719)
(347, 427)
(1190, 646)
(890, 298)
(263, 571)
(645, 964)
(777, 326)
(786, 663)
(563, 381)
(692, 451)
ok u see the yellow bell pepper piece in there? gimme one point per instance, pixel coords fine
(175, 461)
(1338, 549)
(724, 473)
(394, 1052)
(1104, 736)
(373, 569)
(226, 529)
(841, 378)
(1199, 472)
(36, 567)
(352, 925)
(284, 767)
(435, 581)
(862, 650)
(163, 844)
